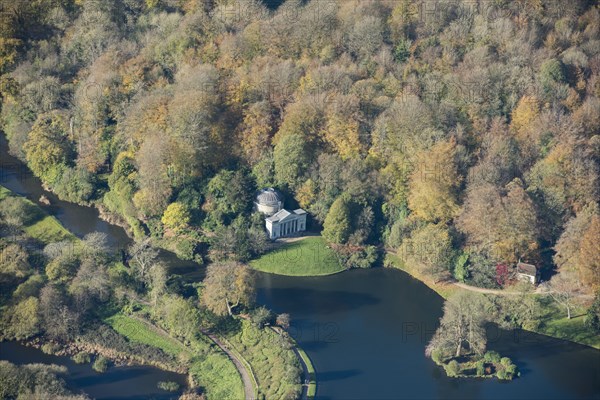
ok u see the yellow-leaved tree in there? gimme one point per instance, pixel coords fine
(434, 182)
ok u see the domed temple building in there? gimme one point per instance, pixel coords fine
(269, 201)
(279, 221)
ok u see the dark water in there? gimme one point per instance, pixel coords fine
(78, 219)
(116, 383)
(366, 330)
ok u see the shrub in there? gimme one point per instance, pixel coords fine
(283, 320)
(260, 317)
(437, 356)
(509, 370)
(185, 249)
(50, 348)
(592, 318)
(505, 361)
(81, 358)
(502, 375)
(492, 357)
(452, 368)
(169, 386)
(480, 368)
(100, 364)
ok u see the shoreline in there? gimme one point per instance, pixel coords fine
(447, 289)
(309, 384)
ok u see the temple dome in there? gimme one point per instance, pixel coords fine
(268, 201)
(269, 197)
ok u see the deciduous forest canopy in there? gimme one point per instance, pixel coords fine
(471, 125)
(461, 135)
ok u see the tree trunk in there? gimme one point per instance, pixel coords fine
(228, 307)
(458, 348)
(568, 312)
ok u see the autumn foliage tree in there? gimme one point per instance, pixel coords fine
(226, 286)
(500, 222)
(177, 217)
(434, 183)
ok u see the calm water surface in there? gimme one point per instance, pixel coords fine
(365, 330)
(135, 382)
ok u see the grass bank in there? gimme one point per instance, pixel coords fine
(39, 225)
(553, 321)
(208, 366)
(312, 375)
(273, 361)
(306, 257)
(139, 332)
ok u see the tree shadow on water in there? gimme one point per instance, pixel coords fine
(337, 375)
(324, 302)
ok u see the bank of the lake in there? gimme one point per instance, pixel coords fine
(213, 371)
(308, 256)
(553, 322)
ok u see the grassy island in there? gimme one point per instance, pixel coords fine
(489, 365)
(306, 257)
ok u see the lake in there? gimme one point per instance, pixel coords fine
(366, 330)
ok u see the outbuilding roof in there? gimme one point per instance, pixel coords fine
(527, 269)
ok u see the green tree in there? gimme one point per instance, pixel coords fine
(291, 159)
(179, 316)
(22, 319)
(17, 211)
(461, 267)
(48, 149)
(452, 368)
(227, 195)
(429, 248)
(14, 260)
(337, 225)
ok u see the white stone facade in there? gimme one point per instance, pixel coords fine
(286, 223)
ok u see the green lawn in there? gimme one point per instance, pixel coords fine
(44, 227)
(312, 376)
(554, 322)
(307, 257)
(140, 332)
(209, 367)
